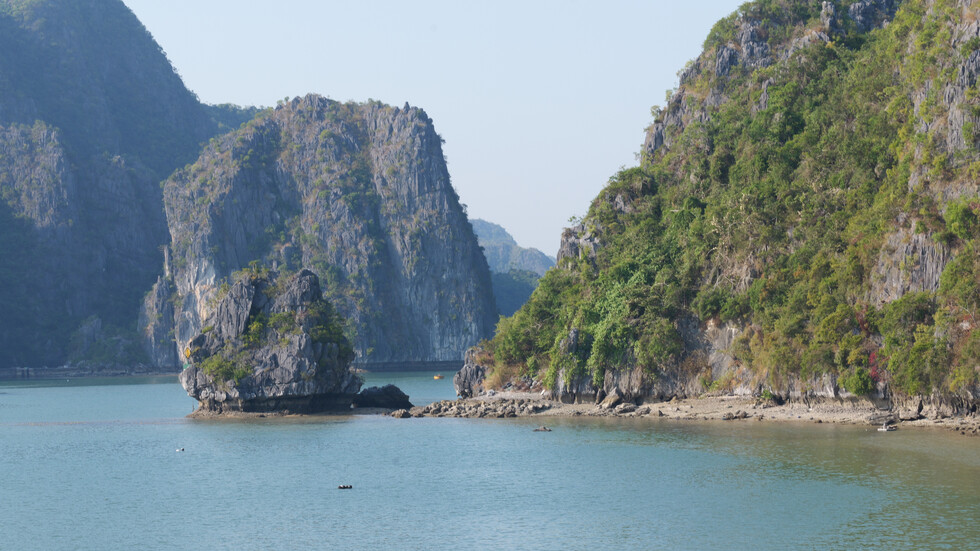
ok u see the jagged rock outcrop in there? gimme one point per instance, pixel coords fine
(359, 193)
(156, 320)
(579, 242)
(871, 14)
(468, 381)
(271, 344)
(909, 262)
(92, 118)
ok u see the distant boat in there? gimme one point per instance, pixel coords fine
(437, 377)
(887, 428)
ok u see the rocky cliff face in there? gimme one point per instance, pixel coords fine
(92, 117)
(804, 222)
(360, 194)
(271, 344)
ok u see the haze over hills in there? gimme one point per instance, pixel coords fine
(515, 270)
(93, 118)
(504, 254)
(804, 221)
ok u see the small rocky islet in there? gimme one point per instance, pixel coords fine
(272, 344)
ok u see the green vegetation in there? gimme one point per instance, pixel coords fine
(223, 369)
(232, 359)
(512, 289)
(775, 218)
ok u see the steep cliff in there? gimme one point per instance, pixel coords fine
(271, 344)
(92, 118)
(360, 194)
(514, 270)
(805, 221)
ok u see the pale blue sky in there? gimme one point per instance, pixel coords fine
(539, 102)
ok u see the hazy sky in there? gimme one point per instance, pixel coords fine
(539, 102)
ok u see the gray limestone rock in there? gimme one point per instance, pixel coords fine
(468, 381)
(610, 401)
(578, 242)
(755, 50)
(829, 21)
(360, 194)
(871, 14)
(627, 407)
(272, 344)
(909, 262)
(157, 322)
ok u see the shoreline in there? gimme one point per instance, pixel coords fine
(704, 408)
(78, 372)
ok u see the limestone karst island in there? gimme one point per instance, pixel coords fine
(764, 333)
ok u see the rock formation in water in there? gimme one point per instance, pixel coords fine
(804, 223)
(514, 270)
(92, 118)
(386, 397)
(358, 193)
(271, 343)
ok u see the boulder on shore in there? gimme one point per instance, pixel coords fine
(387, 397)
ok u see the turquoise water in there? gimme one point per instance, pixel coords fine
(93, 466)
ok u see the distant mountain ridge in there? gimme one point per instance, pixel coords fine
(504, 254)
(515, 270)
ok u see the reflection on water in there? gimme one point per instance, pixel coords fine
(94, 467)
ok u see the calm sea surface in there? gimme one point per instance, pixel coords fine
(91, 464)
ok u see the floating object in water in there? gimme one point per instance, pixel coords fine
(542, 428)
(437, 377)
(887, 428)
(180, 449)
(344, 487)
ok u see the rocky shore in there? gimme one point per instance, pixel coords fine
(705, 408)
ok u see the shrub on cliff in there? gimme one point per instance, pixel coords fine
(790, 188)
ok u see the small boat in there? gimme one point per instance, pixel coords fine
(542, 428)
(344, 487)
(887, 428)
(437, 377)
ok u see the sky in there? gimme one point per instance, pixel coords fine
(539, 101)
